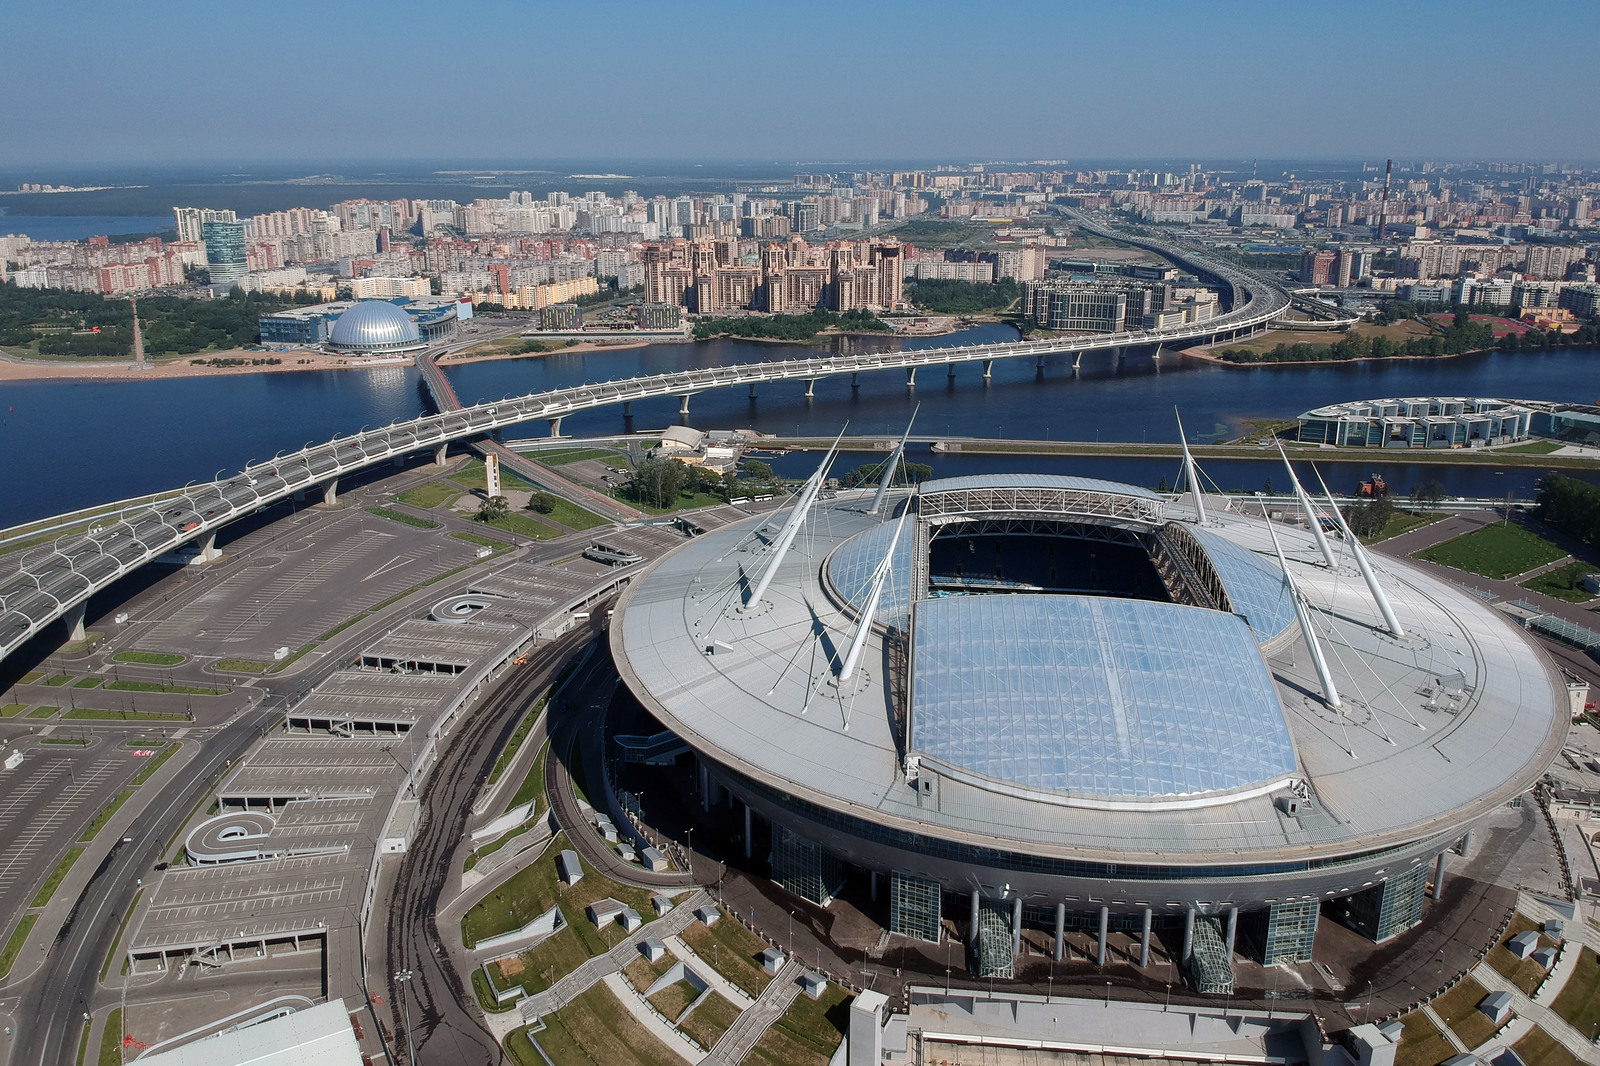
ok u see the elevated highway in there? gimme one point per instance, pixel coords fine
(54, 581)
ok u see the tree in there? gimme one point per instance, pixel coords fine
(756, 470)
(658, 482)
(1266, 486)
(1368, 518)
(493, 509)
(1427, 493)
(541, 501)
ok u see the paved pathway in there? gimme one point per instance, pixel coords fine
(750, 1026)
(1444, 1030)
(1557, 1027)
(633, 1002)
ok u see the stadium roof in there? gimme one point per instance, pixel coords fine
(1090, 696)
(374, 325)
(1035, 481)
(1258, 589)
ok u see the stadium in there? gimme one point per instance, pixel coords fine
(1059, 702)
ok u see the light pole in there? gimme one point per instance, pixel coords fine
(403, 977)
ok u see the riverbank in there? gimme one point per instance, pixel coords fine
(13, 368)
(466, 355)
(1203, 354)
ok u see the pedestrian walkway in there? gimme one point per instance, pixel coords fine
(748, 1029)
(1555, 1026)
(1444, 1030)
(634, 1003)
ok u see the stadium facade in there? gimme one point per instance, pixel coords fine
(1078, 704)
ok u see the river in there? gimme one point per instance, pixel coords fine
(72, 444)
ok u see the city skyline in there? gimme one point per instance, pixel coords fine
(1025, 81)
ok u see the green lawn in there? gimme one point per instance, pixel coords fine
(554, 958)
(430, 495)
(149, 658)
(731, 950)
(808, 1033)
(686, 502)
(111, 1039)
(1402, 522)
(709, 1021)
(524, 526)
(43, 712)
(99, 821)
(11, 710)
(1538, 447)
(594, 1030)
(80, 742)
(572, 516)
(1497, 551)
(673, 1000)
(1524, 973)
(1564, 582)
(1538, 1048)
(96, 714)
(1579, 1000)
(156, 686)
(531, 892)
(1422, 1044)
(642, 973)
(58, 680)
(242, 666)
(482, 542)
(1459, 1009)
(19, 936)
(52, 882)
(403, 518)
(563, 456)
(88, 682)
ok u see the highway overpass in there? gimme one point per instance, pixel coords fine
(51, 582)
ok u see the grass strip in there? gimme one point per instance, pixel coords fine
(13, 948)
(75, 741)
(524, 727)
(57, 680)
(52, 882)
(403, 518)
(43, 712)
(111, 1039)
(11, 710)
(157, 686)
(88, 682)
(153, 765)
(532, 786)
(106, 812)
(242, 666)
(100, 714)
(482, 542)
(149, 658)
(280, 667)
(430, 495)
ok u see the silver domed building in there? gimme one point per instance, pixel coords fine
(375, 327)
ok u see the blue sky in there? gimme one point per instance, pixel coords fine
(795, 82)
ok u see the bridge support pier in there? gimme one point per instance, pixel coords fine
(855, 379)
(683, 406)
(627, 408)
(555, 427)
(330, 493)
(74, 619)
(811, 389)
(752, 390)
(1077, 361)
(911, 377)
(988, 369)
(440, 450)
(208, 549)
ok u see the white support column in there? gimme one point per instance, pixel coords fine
(747, 827)
(1016, 925)
(873, 874)
(1368, 575)
(1061, 930)
(893, 464)
(1189, 473)
(988, 369)
(791, 528)
(1330, 694)
(330, 493)
(977, 902)
(683, 406)
(1233, 929)
(555, 427)
(208, 549)
(811, 388)
(440, 450)
(705, 787)
(1105, 934)
(1311, 513)
(1188, 934)
(1144, 939)
(73, 617)
(1438, 876)
(911, 377)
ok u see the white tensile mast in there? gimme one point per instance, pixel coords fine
(1311, 512)
(1368, 574)
(1189, 473)
(797, 517)
(869, 611)
(893, 463)
(1330, 695)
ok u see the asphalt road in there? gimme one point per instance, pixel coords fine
(54, 1000)
(441, 1007)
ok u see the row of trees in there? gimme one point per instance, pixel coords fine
(946, 297)
(1463, 335)
(789, 327)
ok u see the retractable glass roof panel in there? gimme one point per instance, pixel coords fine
(1080, 699)
(1256, 586)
